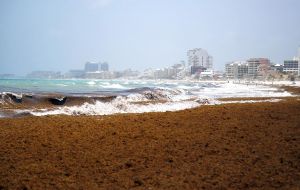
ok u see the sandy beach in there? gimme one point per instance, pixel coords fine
(234, 146)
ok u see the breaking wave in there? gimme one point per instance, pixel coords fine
(118, 105)
(130, 100)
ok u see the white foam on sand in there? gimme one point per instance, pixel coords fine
(249, 101)
(229, 90)
(280, 83)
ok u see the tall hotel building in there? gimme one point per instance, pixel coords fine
(252, 68)
(200, 57)
(292, 66)
(258, 67)
(236, 69)
(91, 67)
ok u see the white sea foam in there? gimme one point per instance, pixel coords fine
(112, 86)
(186, 87)
(163, 97)
(177, 95)
(91, 83)
(105, 83)
(280, 83)
(136, 98)
(124, 105)
(249, 101)
(119, 105)
(18, 96)
(5, 97)
(63, 85)
(241, 90)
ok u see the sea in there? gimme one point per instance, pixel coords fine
(40, 97)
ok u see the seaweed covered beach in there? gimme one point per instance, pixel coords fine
(210, 147)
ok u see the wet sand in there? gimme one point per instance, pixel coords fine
(235, 146)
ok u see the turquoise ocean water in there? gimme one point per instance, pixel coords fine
(85, 86)
(120, 96)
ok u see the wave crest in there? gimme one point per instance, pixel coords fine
(118, 105)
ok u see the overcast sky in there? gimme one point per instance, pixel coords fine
(63, 34)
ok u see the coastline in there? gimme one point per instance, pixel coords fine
(251, 145)
(140, 99)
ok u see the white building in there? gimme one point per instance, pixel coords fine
(199, 57)
(258, 67)
(236, 69)
(148, 73)
(96, 66)
(291, 66)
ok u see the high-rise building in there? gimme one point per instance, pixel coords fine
(91, 67)
(199, 58)
(291, 66)
(252, 68)
(103, 66)
(258, 67)
(236, 70)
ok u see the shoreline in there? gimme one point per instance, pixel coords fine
(223, 146)
(150, 100)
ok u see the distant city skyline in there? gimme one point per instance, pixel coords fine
(62, 35)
